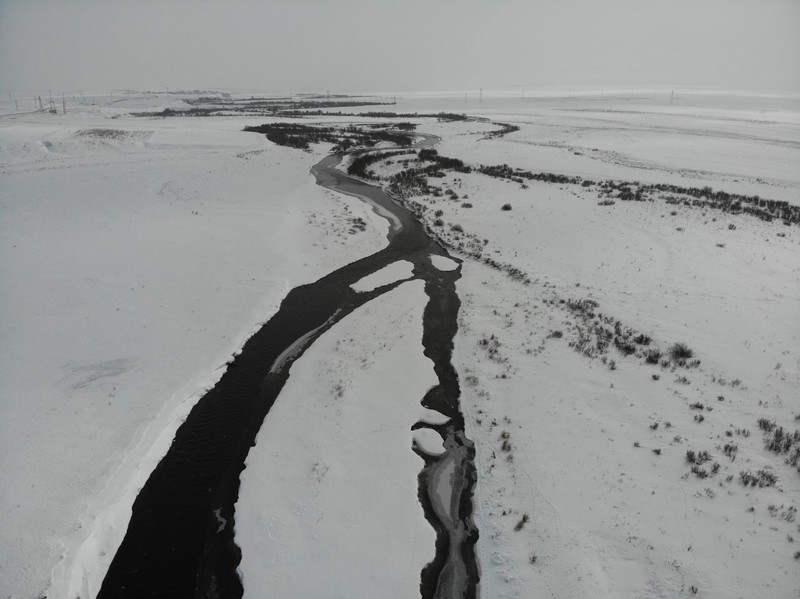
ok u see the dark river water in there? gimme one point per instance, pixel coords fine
(175, 547)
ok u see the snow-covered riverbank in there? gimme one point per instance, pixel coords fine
(584, 487)
(328, 502)
(137, 257)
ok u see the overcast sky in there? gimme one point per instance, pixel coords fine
(399, 45)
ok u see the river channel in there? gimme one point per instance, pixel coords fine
(175, 546)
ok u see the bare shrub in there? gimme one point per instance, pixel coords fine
(519, 526)
(680, 351)
(761, 478)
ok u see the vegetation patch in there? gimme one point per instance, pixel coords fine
(781, 441)
(760, 478)
(297, 135)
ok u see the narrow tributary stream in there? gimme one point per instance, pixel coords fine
(180, 540)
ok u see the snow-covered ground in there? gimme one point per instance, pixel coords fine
(596, 457)
(136, 256)
(135, 262)
(328, 504)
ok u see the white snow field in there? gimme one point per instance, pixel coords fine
(136, 255)
(596, 457)
(328, 503)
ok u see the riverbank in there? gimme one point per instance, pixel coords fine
(331, 484)
(592, 481)
(140, 257)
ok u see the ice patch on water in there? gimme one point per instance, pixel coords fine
(397, 271)
(443, 263)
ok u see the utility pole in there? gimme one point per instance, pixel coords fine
(671, 96)
(63, 103)
(16, 105)
(480, 97)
